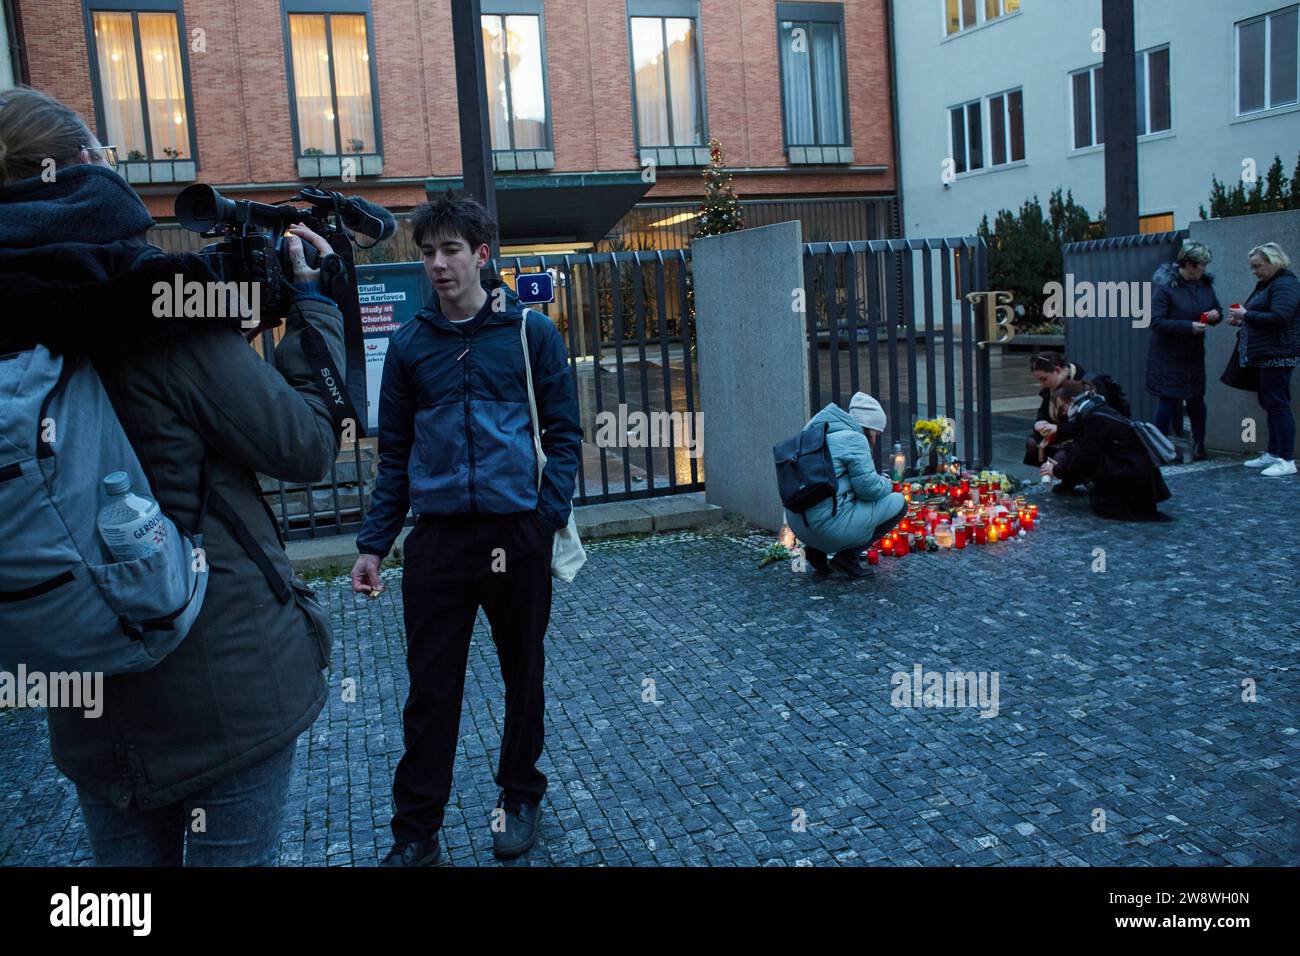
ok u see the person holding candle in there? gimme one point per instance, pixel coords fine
(864, 506)
(1107, 454)
(1181, 292)
(1049, 369)
(1269, 342)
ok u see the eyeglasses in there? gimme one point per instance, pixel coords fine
(108, 154)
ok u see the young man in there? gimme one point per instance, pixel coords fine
(456, 446)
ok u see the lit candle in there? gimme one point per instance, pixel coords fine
(887, 545)
(943, 534)
(898, 486)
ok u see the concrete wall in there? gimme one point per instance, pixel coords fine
(1037, 49)
(1231, 240)
(753, 360)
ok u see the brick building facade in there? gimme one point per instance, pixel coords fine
(239, 100)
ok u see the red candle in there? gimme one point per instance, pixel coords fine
(902, 546)
(1205, 318)
(904, 526)
(1235, 305)
(959, 536)
(887, 545)
(873, 556)
(1027, 522)
(981, 533)
(965, 487)
(898, 486)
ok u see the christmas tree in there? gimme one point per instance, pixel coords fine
(720, 212)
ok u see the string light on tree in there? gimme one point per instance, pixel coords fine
(720, 212)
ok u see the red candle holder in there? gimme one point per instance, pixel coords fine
(898, 486)
(959, 535)
(887, 546)
(873, 556)
(1204, 319)
(981, 532)
(902, 546)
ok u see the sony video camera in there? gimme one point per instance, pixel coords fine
(253, 247)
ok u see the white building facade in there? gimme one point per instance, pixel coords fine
(999, 100)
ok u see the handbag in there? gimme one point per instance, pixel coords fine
(1236, 376)
(567, 553)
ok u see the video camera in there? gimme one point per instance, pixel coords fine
(253, 247)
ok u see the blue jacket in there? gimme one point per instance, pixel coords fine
(455, 433)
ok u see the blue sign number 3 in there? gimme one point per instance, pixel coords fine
(536, 287)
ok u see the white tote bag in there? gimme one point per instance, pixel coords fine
(567, 554)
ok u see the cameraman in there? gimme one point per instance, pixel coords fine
(213, 726)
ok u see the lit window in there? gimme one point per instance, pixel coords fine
(963, 14)
(141, 86)
(334, 105)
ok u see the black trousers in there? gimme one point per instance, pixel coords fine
(454, 565)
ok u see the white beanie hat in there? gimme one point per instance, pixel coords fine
(866, 411)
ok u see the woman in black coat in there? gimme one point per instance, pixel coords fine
(1105, 453)
(1270, 342)
(1049, 369)
(1181, 293)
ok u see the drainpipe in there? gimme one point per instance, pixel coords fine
(893, 105)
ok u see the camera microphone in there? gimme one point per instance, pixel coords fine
(360, 215)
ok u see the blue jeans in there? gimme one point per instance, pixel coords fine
(1275, 399)
(239, 824)
(1169, 416)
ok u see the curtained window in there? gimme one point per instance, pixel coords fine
(334, 104)
(812, 72)
(142, 84)
(516, 88)
(666, 72)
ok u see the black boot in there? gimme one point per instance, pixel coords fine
(817, 559)
(1198, 451)
(850, 562)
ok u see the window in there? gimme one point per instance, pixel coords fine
(331, 85)
(1085, 88)
(1160, 222)
(1006, 128)
(1006, 131)
(814, 95)
(667, 83)
(514, 62)
(142, 97)
(1266, 61)
(963, 14)
(1153, 113)
(967, 137)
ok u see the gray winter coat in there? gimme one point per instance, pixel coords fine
(247, 680)
(864, 498)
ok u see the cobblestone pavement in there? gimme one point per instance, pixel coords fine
(1120, 694)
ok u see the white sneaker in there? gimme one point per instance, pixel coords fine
(1263, 461)
(1279, 469)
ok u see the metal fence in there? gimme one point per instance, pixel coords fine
(1111, 343)
(899, 307)
(628, 323)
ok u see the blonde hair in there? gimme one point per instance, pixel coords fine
(35, 127)
(1193, 251)
(1272, 253)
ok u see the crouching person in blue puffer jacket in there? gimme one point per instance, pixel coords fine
(865, 507)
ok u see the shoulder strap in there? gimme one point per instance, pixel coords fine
(532, 399)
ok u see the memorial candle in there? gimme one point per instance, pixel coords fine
(959, 534)
(873, 556)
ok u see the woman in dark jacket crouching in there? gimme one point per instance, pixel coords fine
(212, 727)
(1270, 341)
(1181, 292)
(1105, 453)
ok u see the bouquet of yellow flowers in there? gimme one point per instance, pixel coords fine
(934, 433)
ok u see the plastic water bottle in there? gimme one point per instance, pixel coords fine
(132, 525)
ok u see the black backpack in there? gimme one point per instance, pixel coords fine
(805, 473)
(1111, 390)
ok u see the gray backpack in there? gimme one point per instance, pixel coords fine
(66, 604)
